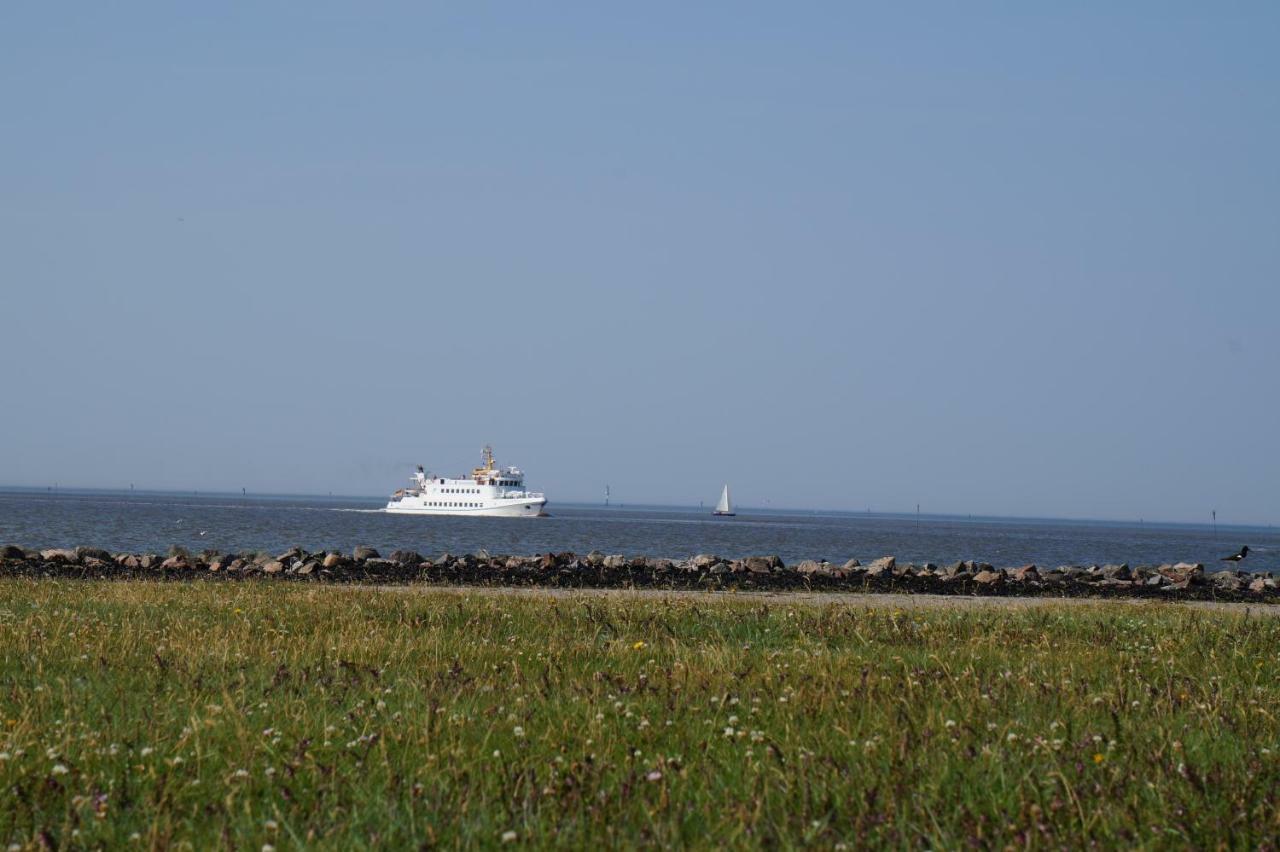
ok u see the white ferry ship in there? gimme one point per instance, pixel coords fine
(489, 491)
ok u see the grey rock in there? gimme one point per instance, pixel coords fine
(275, 566)
(703, 560)
(11, 551)
(363, 552)
(307, 567)
(93, 553)
(851, 564)
(1025, 573)
(881, 566)
(1227, 581)
(1116, 572)
(809, 566)
(614, 560)
(595, 559)
(333, 560)
(989, 578)
(59, 554)
(764, 564)
(406, 557)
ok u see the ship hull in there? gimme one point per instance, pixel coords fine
(505, 509)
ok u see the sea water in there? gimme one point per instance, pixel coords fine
(153, 521)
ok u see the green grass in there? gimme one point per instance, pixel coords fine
(243, 715)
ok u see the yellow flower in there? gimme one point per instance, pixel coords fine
(1098, 757)
(640, 645)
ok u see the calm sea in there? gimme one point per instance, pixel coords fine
(154, 521)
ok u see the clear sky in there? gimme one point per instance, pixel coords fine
(1013, 258)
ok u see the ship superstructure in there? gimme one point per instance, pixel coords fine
(490, 491)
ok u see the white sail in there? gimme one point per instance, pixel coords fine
(724, 507)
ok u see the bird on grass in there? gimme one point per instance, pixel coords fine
(1236, 557)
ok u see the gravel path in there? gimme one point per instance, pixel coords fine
(878, 601)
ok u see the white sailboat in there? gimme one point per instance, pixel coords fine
(724, 507)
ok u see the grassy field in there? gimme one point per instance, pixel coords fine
(252, 715)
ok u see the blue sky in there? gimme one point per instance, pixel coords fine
(991, 258)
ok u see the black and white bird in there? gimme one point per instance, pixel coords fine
(1237, 557)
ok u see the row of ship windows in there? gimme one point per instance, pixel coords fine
(502, 482)
(448, 503)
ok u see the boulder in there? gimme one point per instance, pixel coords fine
(808, 566)
(1116, 572)
(1024, 573)
(1262, 584)
(595, 559)
(406, 557)
(12, 551)
(274, 566)
(615, 560)
(333, 560)
(130, 561)
(989, 578)
(956, 568)
(1227, 581)
(881, 566)
(307, 567)
(291, 553)
(363, 552)
(59, 554)
(93, 553)
(148, 561)
(703, 560)
(175, 563)
(851, 564)
(764, 564)
(1192, 572)
(1113, 583)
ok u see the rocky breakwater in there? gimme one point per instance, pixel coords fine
(1180, 581)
